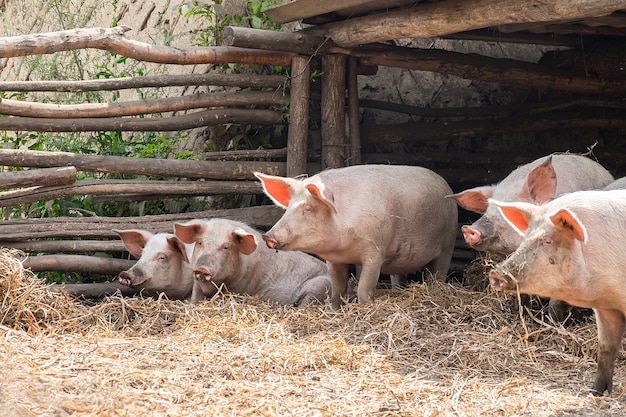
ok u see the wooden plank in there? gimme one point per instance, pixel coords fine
(302, 9)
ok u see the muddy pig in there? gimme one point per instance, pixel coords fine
(573, 250)
(227, 256)
(389, 219)
(163, 265)
(536, 182)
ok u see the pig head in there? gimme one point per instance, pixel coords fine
(572, 250)
(537, 182)
(163, 265)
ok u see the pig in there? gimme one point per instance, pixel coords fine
(163, 265)
(573, 250)
(390, 219)
(536, 182)
(227, 256)
(618, 184)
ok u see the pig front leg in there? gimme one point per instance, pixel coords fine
(610, 331)
(338, 283)
(196, 293)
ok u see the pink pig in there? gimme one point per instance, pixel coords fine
(389, 219)
(163, 265)
(226, 257)
(572, 250)
(536, 182)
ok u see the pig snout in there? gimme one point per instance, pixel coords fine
(472, 236)
(125, 278)
(501, 281)
(202, 274)
(271, 242)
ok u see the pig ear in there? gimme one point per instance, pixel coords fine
(178, 246)
(134, 240)
(279, 189)
(518, 215)
(318, 192)
(188, 232)
(541, 182)
(567, 221)
(474, 199)
(246, 242)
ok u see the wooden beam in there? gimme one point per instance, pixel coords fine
(77, 263)
(453, 16)
(38, 177)
(301, 9)
(334, 152)
(298, 116)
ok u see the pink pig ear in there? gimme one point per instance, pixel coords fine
(135, 240)
(317, 191)
(474, 199)
(277, 188)
(178, 246)
(246, 242)
(188, 232)
(516, 214)
(541, 182)
(567, 221)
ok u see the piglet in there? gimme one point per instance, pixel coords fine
(390, 219)
(163, 265)
(573, 250)
(227, 256)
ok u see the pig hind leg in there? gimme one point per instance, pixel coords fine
(315, 290)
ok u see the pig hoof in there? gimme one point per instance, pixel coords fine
(202, 274)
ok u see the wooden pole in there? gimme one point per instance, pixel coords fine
(299, 43)
(297, 148)
(77, 263)
(333, 111)
(354, 131)
(38, 177)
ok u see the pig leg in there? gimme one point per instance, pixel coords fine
(313, 291)
(368, 278)
(338, 283)
(196, 293)
(398, 281)
(610, 331)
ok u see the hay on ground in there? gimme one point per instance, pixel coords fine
(427, 350)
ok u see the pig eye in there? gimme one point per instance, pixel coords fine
(552, 261)
(226, 246)
(546, 241)
(161, 257)
(307, 209)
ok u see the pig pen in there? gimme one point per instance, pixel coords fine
(427, 350)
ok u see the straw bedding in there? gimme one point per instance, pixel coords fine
(429, 350)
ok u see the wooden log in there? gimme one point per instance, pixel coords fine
(120, 124)
(161, 188)
(334, 152)
(247, 154)
(478, 67)
(298, 43)
(261, 217)
(62, 246)
(354, 122)
(213, 170)
(297, 149)
(38, 177)
(408, 132)
(95, 290)
(77, 263)
(171, 80)
(137, 107)
(112, 40)
(432, 20)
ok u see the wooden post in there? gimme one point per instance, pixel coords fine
(333, 111)
(354, 131)
(298, 116)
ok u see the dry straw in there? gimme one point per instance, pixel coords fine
(429, 350)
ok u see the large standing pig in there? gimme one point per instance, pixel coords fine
(226, 254)
(163, 265)
(536, 182)
(573, 250)
(389, 219)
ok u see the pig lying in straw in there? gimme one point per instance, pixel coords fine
(389, 219)
(573, 250)
(163, 265)
(226, 256)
